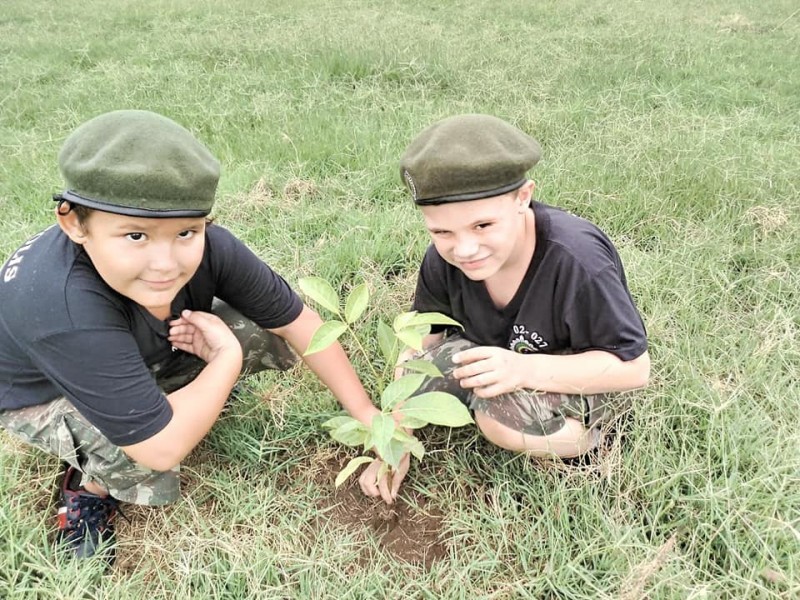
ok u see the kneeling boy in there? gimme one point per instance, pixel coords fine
(550, 328)
(124, 327)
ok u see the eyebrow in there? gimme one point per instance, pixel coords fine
(146, 226)
(472, 224)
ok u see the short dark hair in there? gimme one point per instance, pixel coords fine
(82, 212)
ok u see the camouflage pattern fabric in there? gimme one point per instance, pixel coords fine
(59, 429)
(527, 411)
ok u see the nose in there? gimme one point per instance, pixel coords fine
(466, 247)
(162, 258)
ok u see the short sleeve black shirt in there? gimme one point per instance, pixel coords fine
(573, 298)
(63, 331)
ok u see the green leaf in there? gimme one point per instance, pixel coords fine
(368, 441)
(403, 436)
(412, 422)
(422, 366)
(337, 421)
(324, 336)
(439, 408)
(410, 337)
(394, 452)
(432, 318)
(356, 303)
(353, 433)
(388, 343)
(351, 468)
(402, 320)
(399, 390)
(416, 448)
(382, 431)
(410, 443)
(321, 292)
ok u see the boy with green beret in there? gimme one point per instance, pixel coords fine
(124, 327)
(550, 328)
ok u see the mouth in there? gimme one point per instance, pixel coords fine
(471, 265)
(160, 284)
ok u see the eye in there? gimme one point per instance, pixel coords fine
(187, 234)
(483, 225)
(135, 236)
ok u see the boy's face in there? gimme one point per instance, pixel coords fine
(145, 259)
(481, 237)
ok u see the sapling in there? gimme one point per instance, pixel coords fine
(401, 410)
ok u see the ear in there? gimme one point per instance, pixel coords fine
(525, 195)
(71, 226)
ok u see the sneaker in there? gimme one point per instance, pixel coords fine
(85, 520)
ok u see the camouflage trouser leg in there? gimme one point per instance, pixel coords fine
(526, 411)
(59, 429)
(261, 350)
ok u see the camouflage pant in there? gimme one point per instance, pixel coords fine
(59, 429)
(526, 411)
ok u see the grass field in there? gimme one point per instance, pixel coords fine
(674, 126)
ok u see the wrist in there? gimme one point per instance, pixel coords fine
(231, 354)
(366, 414)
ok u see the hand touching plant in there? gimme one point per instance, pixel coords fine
(389, 434)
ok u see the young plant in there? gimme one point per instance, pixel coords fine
(400, 413)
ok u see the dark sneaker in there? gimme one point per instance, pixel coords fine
(85, 521)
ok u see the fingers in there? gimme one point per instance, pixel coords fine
(483, 379)
(492, 390)
(388, 486)
(367, 479)
(473, 354)
(201, 320)
(383, 487)
(400, 475)
(474, 367)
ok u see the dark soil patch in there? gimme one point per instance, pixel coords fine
(410, 530)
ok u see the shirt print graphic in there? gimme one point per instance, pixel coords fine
(526, 342)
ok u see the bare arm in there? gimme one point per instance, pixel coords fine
(331, 366)
(196, 406)
(492, 371)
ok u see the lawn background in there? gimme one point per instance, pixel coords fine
(674, 126)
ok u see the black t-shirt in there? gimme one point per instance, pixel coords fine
(64, 332)
(573, 298)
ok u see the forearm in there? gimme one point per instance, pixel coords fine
(592, 372)
(331, 366)
(195, 408)
(333, 369)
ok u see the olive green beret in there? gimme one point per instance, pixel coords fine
(138, 163)
(467, 157)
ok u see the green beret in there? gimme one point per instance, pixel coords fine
(138, 163)
(467, 157)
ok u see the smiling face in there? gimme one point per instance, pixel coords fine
(145, 259)
(486, 237)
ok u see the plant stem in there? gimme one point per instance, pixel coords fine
(376, 376)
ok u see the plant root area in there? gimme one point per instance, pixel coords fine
(410, 529)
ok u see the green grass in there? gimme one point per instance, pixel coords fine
(674, 127)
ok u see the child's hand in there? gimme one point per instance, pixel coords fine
(389, 485)
(490, 371)
(202, 334)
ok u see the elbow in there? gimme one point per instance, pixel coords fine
(641, 371)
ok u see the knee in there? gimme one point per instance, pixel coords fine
(499, 434)
(571, 440)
